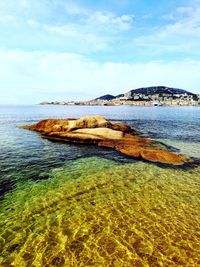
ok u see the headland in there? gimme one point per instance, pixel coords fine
(145, 96)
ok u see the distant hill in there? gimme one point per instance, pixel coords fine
(148, 92)
(157, 90)
(120, 95)
(105, 97)
(141, 96)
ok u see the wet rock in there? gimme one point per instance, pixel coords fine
(46, 125)
(130, 150)
(162, 156)
(99, 131)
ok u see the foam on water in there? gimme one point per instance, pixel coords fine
(95, 212)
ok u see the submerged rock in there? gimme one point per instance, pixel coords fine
(99, 131)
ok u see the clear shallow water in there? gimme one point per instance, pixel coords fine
(96, 212)
(102, 209)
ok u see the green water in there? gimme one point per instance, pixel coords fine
(96, 212)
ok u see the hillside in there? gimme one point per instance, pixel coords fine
(105, 97)
(147, 91)
(157, 90)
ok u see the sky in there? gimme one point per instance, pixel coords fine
(61, 50)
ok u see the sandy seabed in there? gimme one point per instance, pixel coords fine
(97, 212)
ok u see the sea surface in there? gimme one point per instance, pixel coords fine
(76, 205)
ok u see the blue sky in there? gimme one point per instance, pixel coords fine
(76, 50)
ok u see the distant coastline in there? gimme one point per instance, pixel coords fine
(145, 96)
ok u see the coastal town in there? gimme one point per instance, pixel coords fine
(146, 96)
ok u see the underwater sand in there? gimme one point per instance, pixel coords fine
(96, 212)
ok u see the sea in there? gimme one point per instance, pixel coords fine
(72, 205)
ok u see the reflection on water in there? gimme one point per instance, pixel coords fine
(96, 212)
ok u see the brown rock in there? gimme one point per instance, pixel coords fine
(97, 130)
(132, 139)
(121, 126)
(57, 128)
(162, 156)
(103, 133)
(46, 125)
(73, 137)
(129, 150)
(108, 143)
(88, 122)
(84, 122)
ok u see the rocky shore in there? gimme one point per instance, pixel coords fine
(98, 131)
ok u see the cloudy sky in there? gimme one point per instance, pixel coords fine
(81, 49)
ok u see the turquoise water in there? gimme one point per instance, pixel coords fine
(70, 205)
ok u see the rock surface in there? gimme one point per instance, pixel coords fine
(101, 132)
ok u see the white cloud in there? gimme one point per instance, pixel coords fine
(92, 32)
(81, 37)
(181, 35)
(31, 77)
(147, 16)
(185, 10)
(111, 21)
(99, 18)
(7, 19)
(33, 23)
(75, 10)
(95, 23)
(180, 12)
(24, 3)
(61, 25)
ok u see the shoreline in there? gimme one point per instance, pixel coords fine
(117, 105)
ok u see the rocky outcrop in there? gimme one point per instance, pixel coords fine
(101, 132)
(68, 125)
